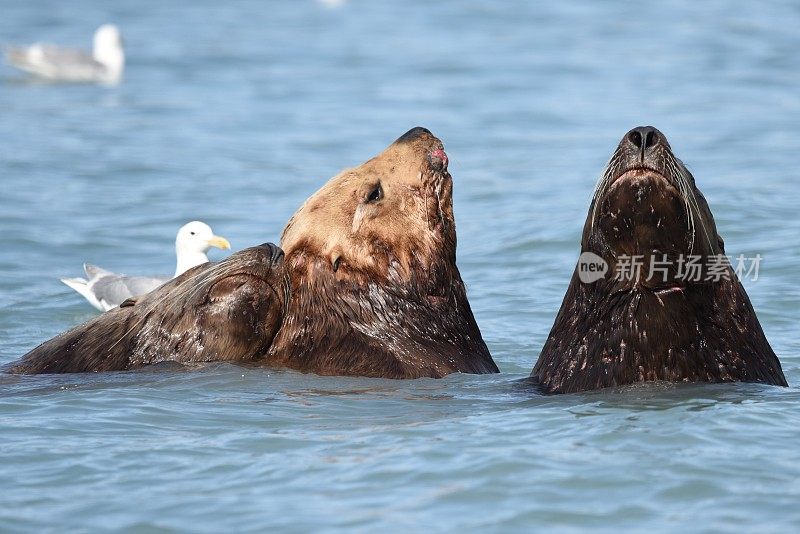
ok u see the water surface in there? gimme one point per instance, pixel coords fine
(235, 112)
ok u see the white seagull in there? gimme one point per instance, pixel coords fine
(105, 64)
(106, 290)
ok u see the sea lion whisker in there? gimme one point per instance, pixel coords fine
(684, 173)
(600, 190)
(427, 213)
(603, 182)
(684, 188)
(437, 190)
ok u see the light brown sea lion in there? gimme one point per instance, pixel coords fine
(229, 310)
(664, 320)
(369, 287)
(372, 262)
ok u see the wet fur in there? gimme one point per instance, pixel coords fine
(375, 287)
(615, 332)
(355, 325)
(366, 288)
(229, 311)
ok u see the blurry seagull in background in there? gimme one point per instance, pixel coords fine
(106, 290)
(104, 65)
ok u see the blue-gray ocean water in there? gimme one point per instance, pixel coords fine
(235, 112)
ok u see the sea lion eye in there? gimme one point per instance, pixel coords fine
(376, 194)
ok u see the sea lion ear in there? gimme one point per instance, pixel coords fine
(127, 303)
(336, 259)
(721, 243)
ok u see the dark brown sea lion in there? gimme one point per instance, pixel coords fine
(372, 262)
(229, 310)
(670, 323)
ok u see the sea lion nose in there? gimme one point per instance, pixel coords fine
(274, 253)
(438, 159)
(644, 139)
(277, 255)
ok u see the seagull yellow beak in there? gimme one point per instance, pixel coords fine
(219, 242)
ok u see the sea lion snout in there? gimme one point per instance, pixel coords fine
(643, 147)
(644, 137)
(438, 159)
(428, 144)
(645, 201)
(642, 176)
(643, 142)
(273, 254)
(261, 261)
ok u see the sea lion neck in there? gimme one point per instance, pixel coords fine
(379, 329)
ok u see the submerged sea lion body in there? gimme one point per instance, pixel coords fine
(660, 324)
(372, 261)
(229, 310)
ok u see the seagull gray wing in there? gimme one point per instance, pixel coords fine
(55, 62)
(113, 289)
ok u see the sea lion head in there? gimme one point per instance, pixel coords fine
(226, 311)
(372, 261)
(647, 204)
(390, 218)
(664, 303)
(230, 310)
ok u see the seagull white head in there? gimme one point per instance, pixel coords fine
(107, 50)
(193, 241)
